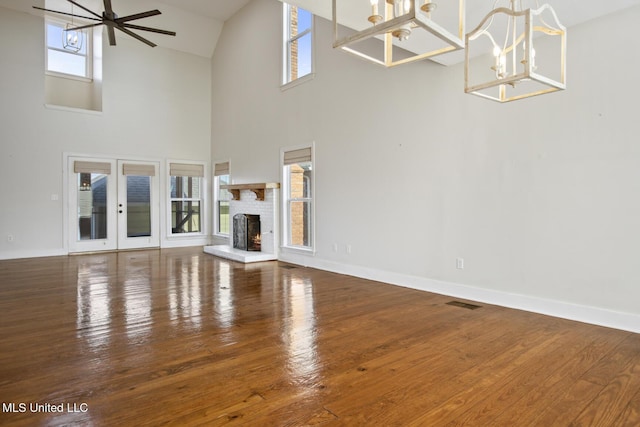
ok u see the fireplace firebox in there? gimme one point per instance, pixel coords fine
(246, 232)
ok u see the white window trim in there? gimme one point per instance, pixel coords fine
(89, 55)
(285, 223)
(285, 83)
(203, 201)
(216, 196)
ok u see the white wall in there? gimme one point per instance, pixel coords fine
(540, 197)
(156, 104)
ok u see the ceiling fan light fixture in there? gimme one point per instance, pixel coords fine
(403, 31)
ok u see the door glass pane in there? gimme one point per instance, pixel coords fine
(92, 206)
(138, 206)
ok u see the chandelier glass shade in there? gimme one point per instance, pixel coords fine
(394, 32)
(514, 54)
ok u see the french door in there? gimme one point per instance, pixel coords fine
(113, 204)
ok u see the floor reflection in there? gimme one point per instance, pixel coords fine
(136, 290)
(93, 318)
(300, 333)
(223, 296)
(184, 292)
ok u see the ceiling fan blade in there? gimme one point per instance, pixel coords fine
(112, 35)
(65, 13)
(138, 16)
(135, 36)
(85, 26)
(153, 30)
(84, 8)
(108, 10)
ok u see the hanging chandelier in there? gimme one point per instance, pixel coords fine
(501, 62)
(400, 31)
(72, 39)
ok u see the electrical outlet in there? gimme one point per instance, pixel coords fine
(10, 238)
(348, 249)
(460, 263)
(335, 247)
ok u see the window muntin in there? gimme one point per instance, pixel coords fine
(63, 61)
(298, 43)
(186, 203)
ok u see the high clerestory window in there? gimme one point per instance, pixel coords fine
(68, 53)
(298, 43)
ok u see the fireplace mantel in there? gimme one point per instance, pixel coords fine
(257, 189)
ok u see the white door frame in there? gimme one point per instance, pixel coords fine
(116, 235)
(124, 241)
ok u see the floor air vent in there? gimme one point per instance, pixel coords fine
(463, 305)
(288, 266)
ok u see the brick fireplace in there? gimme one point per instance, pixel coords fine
(254, 200)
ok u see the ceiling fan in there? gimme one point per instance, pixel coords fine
(112, 21)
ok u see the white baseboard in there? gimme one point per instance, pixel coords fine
(181, 242)
(32, 254)
(586, 314)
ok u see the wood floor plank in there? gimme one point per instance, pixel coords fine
(597, 342)
(631, 415)
(615, 397)
(179, 337)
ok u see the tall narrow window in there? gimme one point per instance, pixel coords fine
(221, 198)
(297, 180)
(68, 53)
(186, 197)
(298, 43)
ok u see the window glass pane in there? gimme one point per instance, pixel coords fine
(138, 206)
(304, 20)
(54, 36)
(300, 180)
(68, 63)
(304, 55)
(300, 223)
(223, 194)
(185, 216)
(223, 217)
(92, 206)
(185, 187)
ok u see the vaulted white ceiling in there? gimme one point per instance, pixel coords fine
(198, 23)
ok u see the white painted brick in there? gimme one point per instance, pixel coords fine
(269, 217)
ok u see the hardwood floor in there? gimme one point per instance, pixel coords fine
(180, 337)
